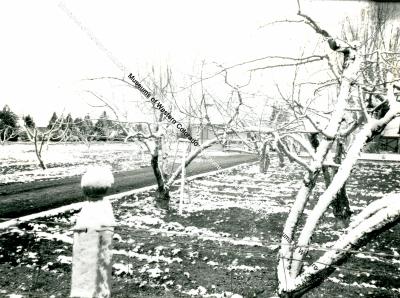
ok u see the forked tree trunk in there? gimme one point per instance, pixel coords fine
(373, 220)
(370, 129)
(286, 252)
(38, 151)
(376, 218)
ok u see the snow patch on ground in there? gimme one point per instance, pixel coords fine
(380, 156)
(55, 236)
(147, 258)
(244, 268)
(360, 285)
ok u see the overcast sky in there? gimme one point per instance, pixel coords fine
(45, 55)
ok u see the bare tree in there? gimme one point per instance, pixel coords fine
(41, 137)
(169, 116)
(7, 133)
(8, 125)
(356, 87)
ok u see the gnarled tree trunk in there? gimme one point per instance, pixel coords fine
(162, 192)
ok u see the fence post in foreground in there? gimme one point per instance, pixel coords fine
(93, 232)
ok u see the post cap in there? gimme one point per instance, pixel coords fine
(96, 181)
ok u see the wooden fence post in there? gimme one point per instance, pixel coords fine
(93, 232)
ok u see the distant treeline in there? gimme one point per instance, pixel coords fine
(75, 129)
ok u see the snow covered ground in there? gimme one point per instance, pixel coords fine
(225, 245)
(18, 162)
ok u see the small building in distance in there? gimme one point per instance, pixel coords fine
(208, 132)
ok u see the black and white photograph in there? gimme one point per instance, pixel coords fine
(219, 149)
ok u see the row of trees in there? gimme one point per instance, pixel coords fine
(87, 129)
(78, 129)
(59, 129)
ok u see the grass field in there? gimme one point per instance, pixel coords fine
(18, 162)
(226, 243)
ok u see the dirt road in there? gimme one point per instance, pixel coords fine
(25, 198)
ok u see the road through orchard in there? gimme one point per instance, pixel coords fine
(27, 198)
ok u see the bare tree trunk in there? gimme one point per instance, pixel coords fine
(264, 159)
(304, 192)
(38, 151)
(41, 163)
(375, 219)
(341, 206)
(280, 156)
(325, 200)
(294, 280)
(162, 193)
(327, 175)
